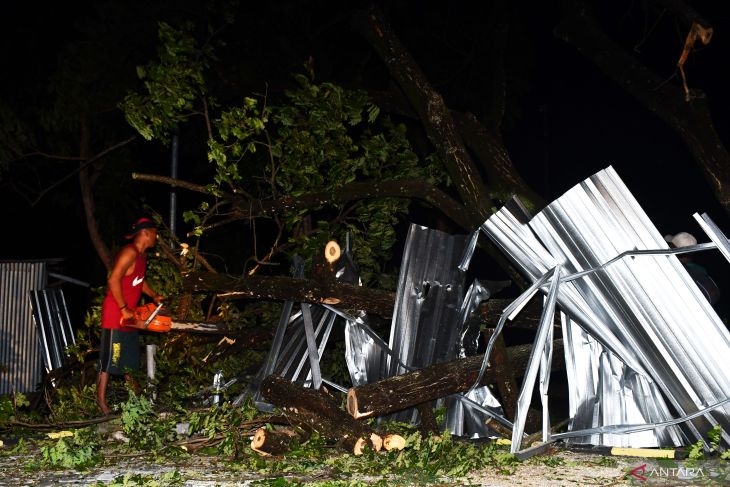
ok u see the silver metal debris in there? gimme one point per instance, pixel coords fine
(660, 338)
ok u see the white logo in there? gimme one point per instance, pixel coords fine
(137, 281)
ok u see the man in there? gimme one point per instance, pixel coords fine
(698, 273)
(120, 344)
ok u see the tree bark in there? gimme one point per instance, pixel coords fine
(690, 119)
(529, 317)
(440, 380)
(431, 109)
(505, 181)
(504, 373)
(280, 288)
(314, 409)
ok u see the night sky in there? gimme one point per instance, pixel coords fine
(565, 120)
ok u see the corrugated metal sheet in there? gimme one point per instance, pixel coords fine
(429, 324)
(661, 336)
(53, 326)
(428, 302)
(20, 359)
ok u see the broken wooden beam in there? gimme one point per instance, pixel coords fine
(429, 383)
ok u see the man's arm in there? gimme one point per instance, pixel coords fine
(125, 260)
(149, 292)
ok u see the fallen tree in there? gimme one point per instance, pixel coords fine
(347, 296)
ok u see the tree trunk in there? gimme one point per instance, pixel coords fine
(431, 109)
(504, 373)
(689, 118)
(403, 391)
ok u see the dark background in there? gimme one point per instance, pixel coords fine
(564, 121)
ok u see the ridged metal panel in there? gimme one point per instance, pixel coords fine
(430, 312)
(658, 331)
(427, 305)
(53, 326)
(20, 359)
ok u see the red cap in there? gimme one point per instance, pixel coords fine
(140, 224)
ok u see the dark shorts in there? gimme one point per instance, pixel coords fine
(119, 351)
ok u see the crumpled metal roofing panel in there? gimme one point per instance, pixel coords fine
(645, 327)
(673, 332)
(428, 301)
(430, 312)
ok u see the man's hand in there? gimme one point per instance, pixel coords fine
(127, 314)
(159, 298)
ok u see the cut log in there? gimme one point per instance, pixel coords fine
(316, 410)
(403, 391)
(332, 251)
(394, 442)
(273, 442)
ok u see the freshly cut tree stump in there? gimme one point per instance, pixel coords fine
(407, 390)
(316, 410)
(272, 442)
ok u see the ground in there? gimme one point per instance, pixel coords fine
(558, 468)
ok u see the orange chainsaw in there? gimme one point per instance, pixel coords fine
(148, 317)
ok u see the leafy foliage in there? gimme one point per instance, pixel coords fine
(316, 140)
(172, 84)
(79, 451)
(142, 424)
(9, 405)
(74, 403)
(714, 437)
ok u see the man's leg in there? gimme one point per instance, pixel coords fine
(101, 383)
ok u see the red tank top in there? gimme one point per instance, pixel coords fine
(132, 292)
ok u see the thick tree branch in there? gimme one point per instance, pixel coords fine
(375, 301)
(504, 178)
(431, 109)
(279, 288)
(690, 119)
(407, 188)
